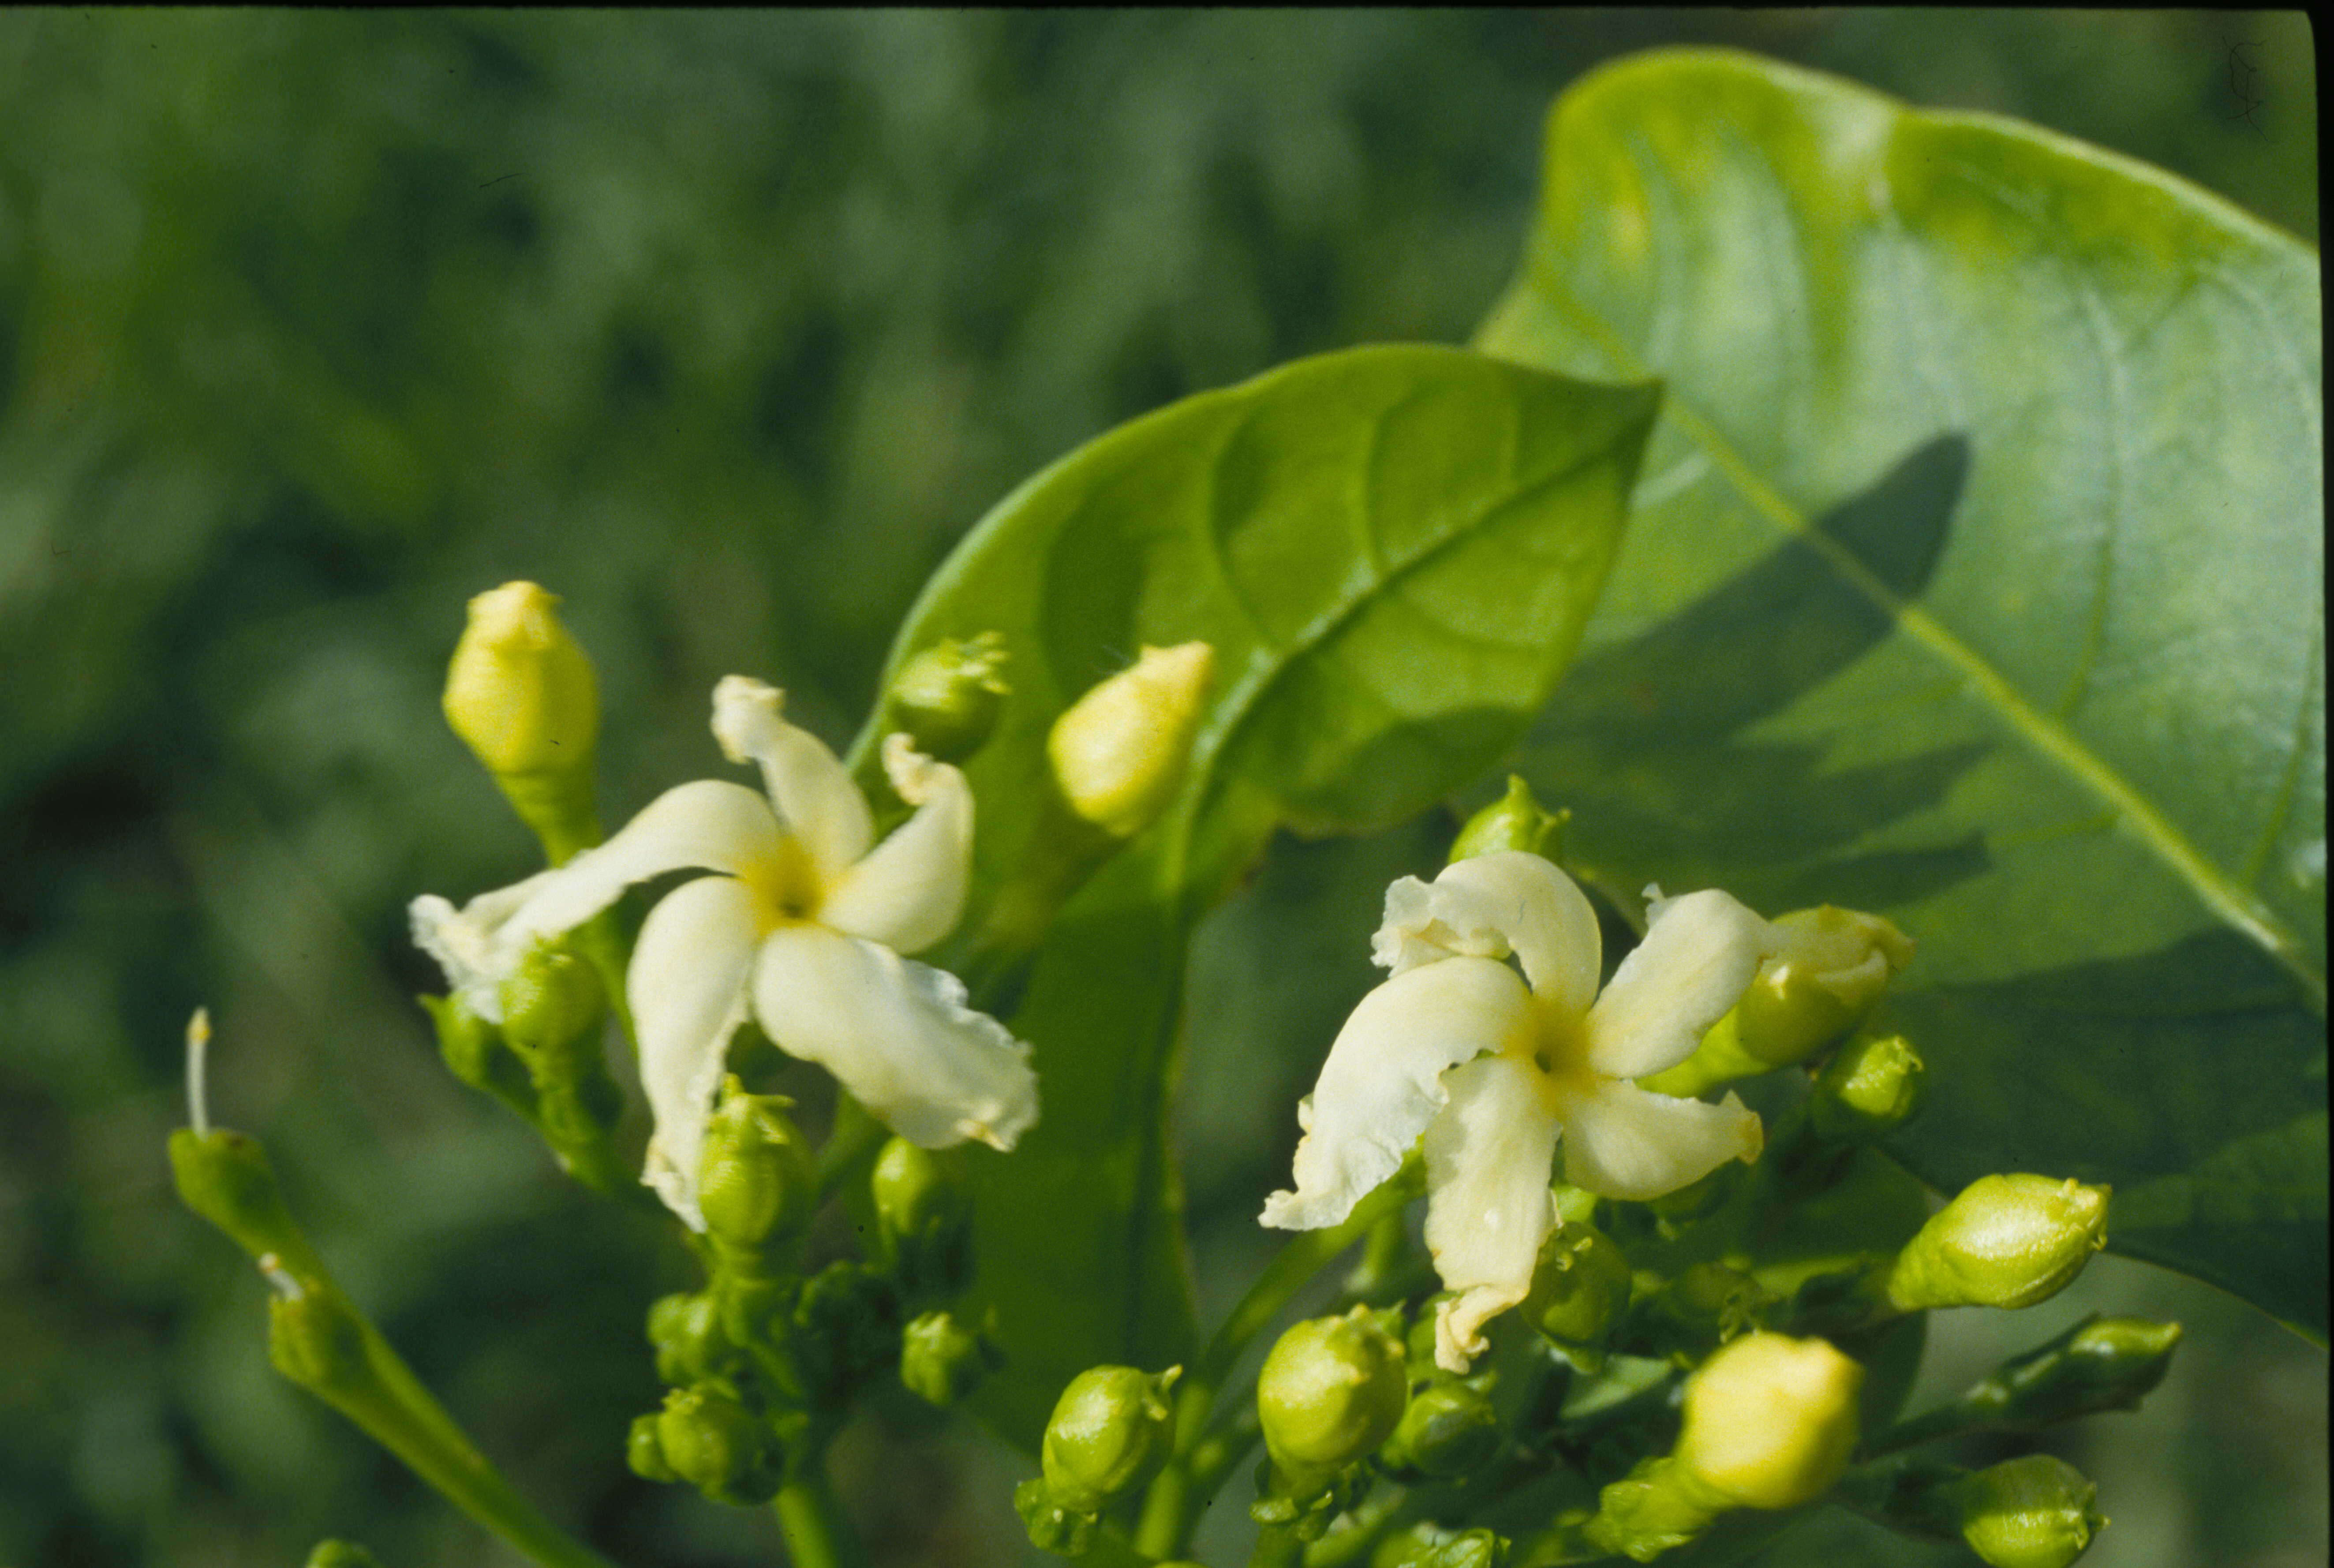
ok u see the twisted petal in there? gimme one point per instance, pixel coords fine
(1386, 1079)
(909, 893)
(1487, 1200)
(466, 944)
(1624, 1141)
(813, 790)
(711, 824)
(1697, 958)
(688, 985)
(1490, 906)
(897, 1035)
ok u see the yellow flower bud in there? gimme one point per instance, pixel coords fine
(1109, 1434)
(522, 696)
(1119, 752)
(1332, 1390)
(1516, 821)
(2035, 1512)
(1770, 1420)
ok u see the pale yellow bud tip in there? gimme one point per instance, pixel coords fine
(1119, 752)
(519, 692)
(1770, 1421)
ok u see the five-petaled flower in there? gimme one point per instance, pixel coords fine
(803, 926)
(1456, 1046)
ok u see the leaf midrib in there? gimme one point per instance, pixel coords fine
(2045, 735)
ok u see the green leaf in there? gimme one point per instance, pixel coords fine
(1978, 579)
(1392, 552)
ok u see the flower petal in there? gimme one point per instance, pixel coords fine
(1487, 1201)
(814, 796)
(1489, 906)
(1624, 1141)
(688, 985)
(711, 823)
(897, 1035)
(1697, 958)
(1387, 1076)
(909, 891)
(464, 943)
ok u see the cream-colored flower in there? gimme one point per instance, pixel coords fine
(804, 926)
(1456, 1046)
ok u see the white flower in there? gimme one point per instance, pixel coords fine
(1455, 1045)
(804, 926)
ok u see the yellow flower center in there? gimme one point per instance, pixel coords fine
(785, 885)
(1556, 1045)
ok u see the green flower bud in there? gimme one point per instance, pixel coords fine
(522, 697)
(942, 1360)
(1659, 1506)
(1119, 752)
(847, 1328)
(758, 1185)
(2100, 1364)
(1833, 967)
(947, 698)
(1477, 1548)
(341, 1555)
(551, 1000)
(1514, 822)
(1710, 1299)
(1770, 1420)
(1448, 1429)
(1870, 1087)
(2007, 1241)
(1579, 1289)
(476, 1053)
(315, 1338)
(923, 1219)
(644, 1451)
(691, 1342)
(1332, 1390)
(1065, 1532)
(2035, 1512)
(714, 1444)
(1109, 1433)
(225, 1177)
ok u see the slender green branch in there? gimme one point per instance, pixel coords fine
(851, 1143)
(817, 1534)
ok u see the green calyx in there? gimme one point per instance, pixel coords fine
(713, 1442)
(1871, 1086)
(691, 1342)
(2006, 1241)
(1516, 821)
(943, 1360)
(225, 1177)
(757, 1182)
(1109, 1433)
(947, 698)
(1332, 1390)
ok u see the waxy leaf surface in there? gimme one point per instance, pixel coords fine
(1976, 577)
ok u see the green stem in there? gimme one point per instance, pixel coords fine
(1277, 1546)
(1174, 1498)
(817, 1534)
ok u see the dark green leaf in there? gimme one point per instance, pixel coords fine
(1392, 550)
(1977, 578)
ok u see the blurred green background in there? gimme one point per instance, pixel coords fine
(724, 326)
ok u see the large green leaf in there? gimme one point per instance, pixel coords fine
(1392, 552)
(1977, 578)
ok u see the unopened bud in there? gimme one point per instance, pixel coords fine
(1119, 752)
(1833, 965)
(846, 1327)
(691, 1342)
(1448, 1429)
(946, 699)
(2007, 1241)
(758, 1186)
(714, 1444)
(1477, 1548)
(1332, 1390)
(522, 696)
(1770, 1420)
(2100, 1364)
(1065, 1532)
(551, 999)
(1870, 1087)
(1579, 1288)
(1659, 1506)
(942, 1359)
(1111, 1431)
(1712, 1299)
(476, 1053)
(644, 1451)
(2034, 1511)
(923, 1219)
(1514, 822)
